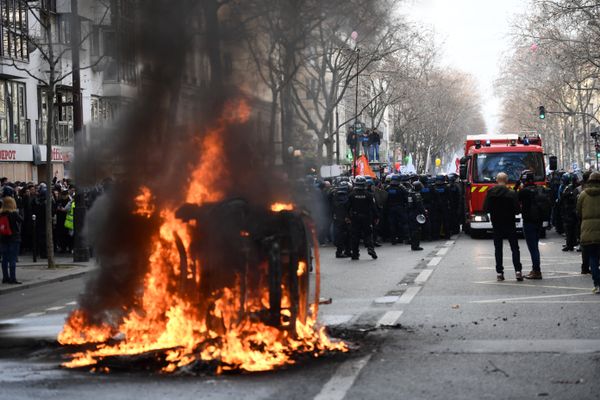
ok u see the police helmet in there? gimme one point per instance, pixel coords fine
(440, 179)
(360, 182)
(395, 180)
(369, 181)
(452, 177)
(565, 178)
(342, 186)
(418, 186)
(527, 176)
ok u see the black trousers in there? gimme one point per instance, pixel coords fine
(341, 236)
(361, 228)
(571, 233)
(511, 235)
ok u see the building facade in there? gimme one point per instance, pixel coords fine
(108, 79)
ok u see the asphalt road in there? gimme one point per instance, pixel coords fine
(428, 325)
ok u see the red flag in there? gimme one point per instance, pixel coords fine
(363, 168)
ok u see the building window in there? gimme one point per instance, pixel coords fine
(14, 29)
(63, 22)
(63, 112)
(95, 41)
(13, 113)
(103, 111)
(48, 5)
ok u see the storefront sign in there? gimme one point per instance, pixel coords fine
(25, 153)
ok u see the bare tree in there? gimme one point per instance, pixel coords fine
(43, 40)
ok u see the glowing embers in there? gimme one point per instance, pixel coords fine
(278, 207)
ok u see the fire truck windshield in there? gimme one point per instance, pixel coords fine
(488, 165)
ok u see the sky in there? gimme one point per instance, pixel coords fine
(473, 35)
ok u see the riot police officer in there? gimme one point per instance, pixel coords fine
(568, 205)
(427, 197)
(362, 211)
(455, 211)
(396, 210)
(415, 210)
(441, 209)
(339, 199)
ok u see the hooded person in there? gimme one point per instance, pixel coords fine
(588, 210)
(503, 205)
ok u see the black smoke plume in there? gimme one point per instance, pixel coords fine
(157, 144)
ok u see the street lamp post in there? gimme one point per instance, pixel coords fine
(357, 50)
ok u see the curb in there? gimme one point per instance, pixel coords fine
(17, 288)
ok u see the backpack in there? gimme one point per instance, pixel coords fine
(541, 206)
(5, 226)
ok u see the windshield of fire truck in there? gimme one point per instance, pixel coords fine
(488, 165)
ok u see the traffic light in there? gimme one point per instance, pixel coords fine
(542, 112)
(597, 150)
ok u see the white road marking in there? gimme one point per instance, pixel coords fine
(434, 261)
(410, 294)
(390, 318)
(508, 299)
(71, 303)
(530, 285)
(330, 320)
(449, 243)
(423, 276)
(570, 346)
(443, 251)
(386, 300)
(338, 385)
(55, 308)
(34, 314)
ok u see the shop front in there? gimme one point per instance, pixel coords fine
(26, 162)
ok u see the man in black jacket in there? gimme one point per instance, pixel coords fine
(502, 204)
(533, 219)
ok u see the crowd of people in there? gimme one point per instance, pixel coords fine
(369, 138)
(23, 220)
(401, 209)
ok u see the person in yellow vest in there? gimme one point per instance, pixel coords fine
(69, 222)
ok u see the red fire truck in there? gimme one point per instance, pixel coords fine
(486, 156)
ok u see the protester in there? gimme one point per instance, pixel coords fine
(502, 204)
(374, 142)
(588, 210)
(536, 208)
(10, 239)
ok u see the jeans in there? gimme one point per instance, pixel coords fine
(10, 251)
(593, 251)
(511, 235)
(374, 152)
(532, 237)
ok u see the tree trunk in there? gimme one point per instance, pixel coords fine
(273, 128)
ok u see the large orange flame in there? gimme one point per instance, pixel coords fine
(167, 320)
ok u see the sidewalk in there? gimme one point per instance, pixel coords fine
(37, 274)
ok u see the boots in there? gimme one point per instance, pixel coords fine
(534, 275)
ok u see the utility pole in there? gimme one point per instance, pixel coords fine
(80, 250)
(356, 145)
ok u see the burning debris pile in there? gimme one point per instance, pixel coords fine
(225, 280)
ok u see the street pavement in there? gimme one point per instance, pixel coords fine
(35, 273)
(423, 325)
